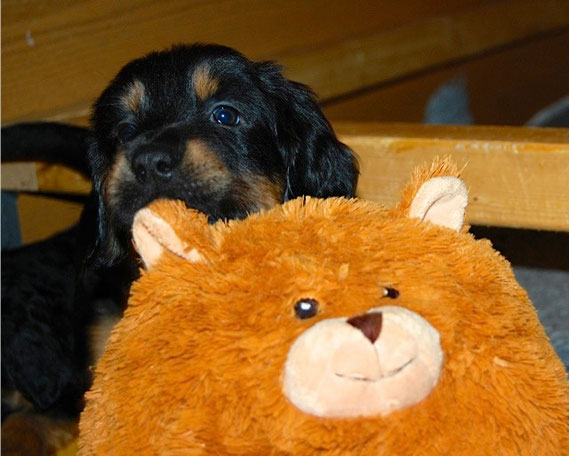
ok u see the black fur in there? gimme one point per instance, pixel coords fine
(37, 322)
(47, 142)
(282, 143)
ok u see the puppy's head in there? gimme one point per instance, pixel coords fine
(205, 125)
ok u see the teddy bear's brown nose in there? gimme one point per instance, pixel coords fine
(369, 324)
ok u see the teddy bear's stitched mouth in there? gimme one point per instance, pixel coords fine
(361, 378)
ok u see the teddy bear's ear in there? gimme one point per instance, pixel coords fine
(442, 201)
(168, 226)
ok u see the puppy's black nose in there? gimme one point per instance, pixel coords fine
(152, 164)
(369, 323)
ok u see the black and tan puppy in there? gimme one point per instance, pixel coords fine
(198, 123)
(207, 126)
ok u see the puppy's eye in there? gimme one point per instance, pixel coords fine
(125, 132)
(306, 308)
(225, 115)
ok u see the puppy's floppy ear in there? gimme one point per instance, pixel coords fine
(108, 248)
(317, 163)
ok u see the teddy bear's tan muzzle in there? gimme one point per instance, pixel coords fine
(369, 364)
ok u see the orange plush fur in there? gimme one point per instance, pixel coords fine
(196, 366)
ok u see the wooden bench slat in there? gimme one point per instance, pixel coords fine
(342, 68)
(518, 177)
(58, 56)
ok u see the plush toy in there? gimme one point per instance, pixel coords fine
(331, 327)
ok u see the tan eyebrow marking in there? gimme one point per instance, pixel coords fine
(118, 173)
(134, 97)
(204, 84)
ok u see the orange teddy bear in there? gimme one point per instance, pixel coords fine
(327, 326)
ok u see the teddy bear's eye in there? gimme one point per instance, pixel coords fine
(391, 293)
(306, 308)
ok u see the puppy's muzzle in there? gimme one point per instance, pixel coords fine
(154, 163)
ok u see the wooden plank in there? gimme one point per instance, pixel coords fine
(504, 88)
(517, 176)
(338, 69)
(59, 55)
(43, 177)
(41, 216)
(19, 177)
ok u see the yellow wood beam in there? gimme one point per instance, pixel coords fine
(517, 176)
(58, 55)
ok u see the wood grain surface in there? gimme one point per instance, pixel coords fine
(58, 55)
(518, 177)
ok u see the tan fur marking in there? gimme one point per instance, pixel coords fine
(100, 332)
(261, 192)
(204, 84)
(15, 400)
(32, 433)
(134, 97)
(119, 172)
(206, 165)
